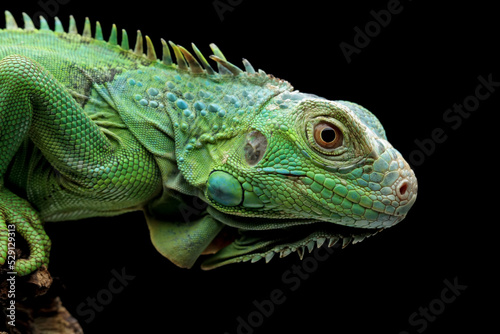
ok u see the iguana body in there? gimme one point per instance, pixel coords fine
(89, 128)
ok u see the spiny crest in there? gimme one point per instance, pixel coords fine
(184, 60)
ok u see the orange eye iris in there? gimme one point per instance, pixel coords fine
(327, 136)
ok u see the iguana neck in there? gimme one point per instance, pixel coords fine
(209, 117)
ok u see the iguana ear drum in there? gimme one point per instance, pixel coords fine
(255, 147)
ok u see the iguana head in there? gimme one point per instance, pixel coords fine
(306, 171)
(281, 170)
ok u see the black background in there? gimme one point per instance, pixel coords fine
(424, 61)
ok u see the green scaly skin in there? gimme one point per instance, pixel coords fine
(90, 128)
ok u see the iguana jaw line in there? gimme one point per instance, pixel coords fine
(251, 246)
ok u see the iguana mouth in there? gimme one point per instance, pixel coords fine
(234, 245)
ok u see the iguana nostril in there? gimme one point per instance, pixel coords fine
(403, 189)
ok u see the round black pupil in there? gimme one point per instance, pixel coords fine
(328, 135)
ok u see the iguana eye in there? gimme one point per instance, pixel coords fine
(328, 136)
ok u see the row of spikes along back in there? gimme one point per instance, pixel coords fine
(185, 61)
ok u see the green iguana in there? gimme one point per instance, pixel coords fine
(92, 128)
